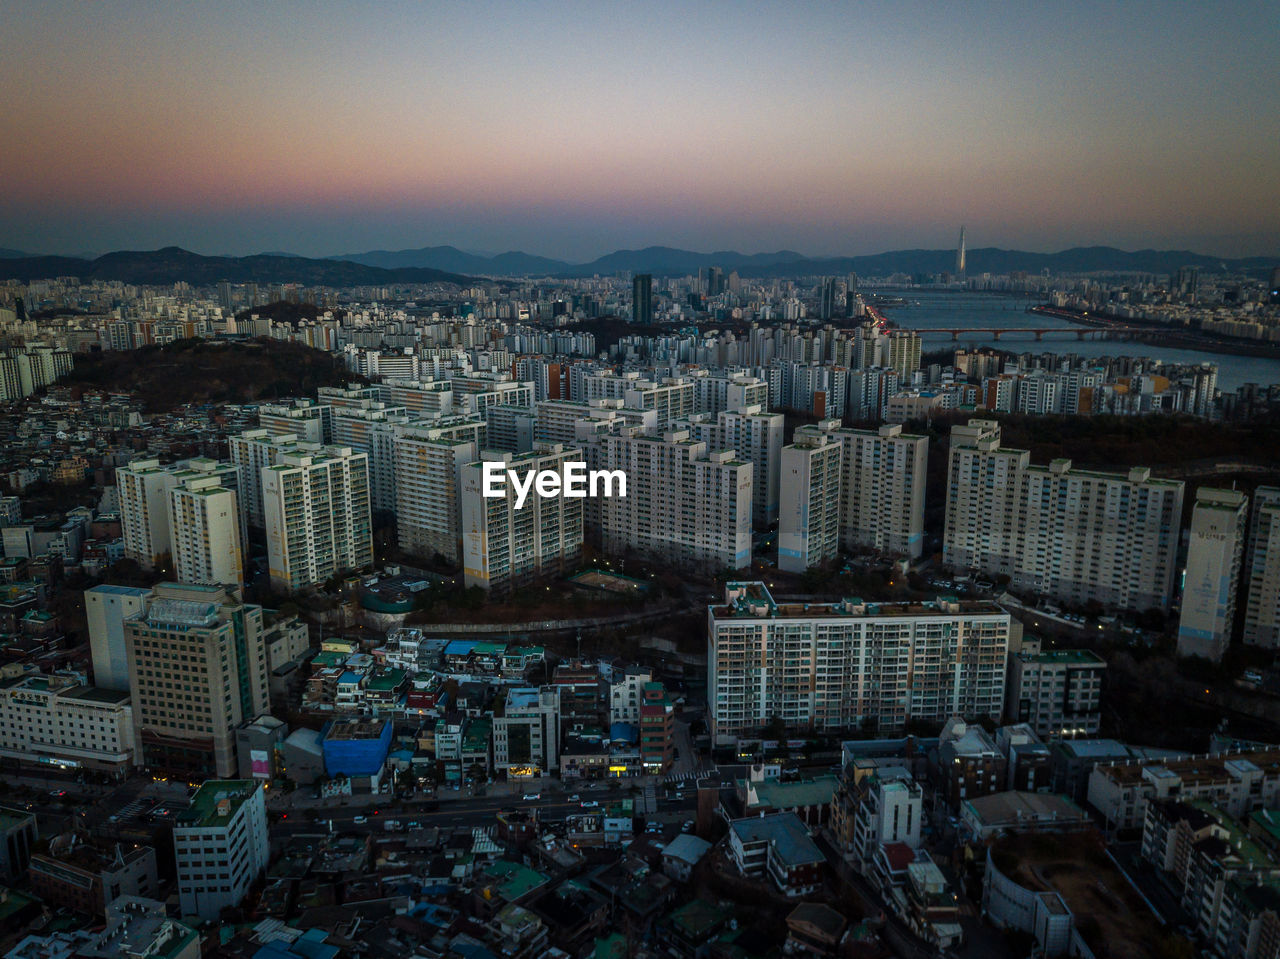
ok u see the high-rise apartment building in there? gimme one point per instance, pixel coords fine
(685, 505)
(143, 488)
(309, 421)
(221, 846)
(204, 530)
(809, 514)
(1074, 535)
(882, 478)
(146, 493)
(371, 429)
(428, 459)
(1262, 571)
(1218, 522)
(197, 670)
(251, 452)
(904, 352)
(824, 668)
(317, 512)
(507, 545)
(756, 436)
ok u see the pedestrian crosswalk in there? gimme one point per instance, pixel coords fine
(687, 777)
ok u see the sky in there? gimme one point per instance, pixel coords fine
(574, 129)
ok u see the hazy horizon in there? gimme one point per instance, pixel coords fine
(575, 130)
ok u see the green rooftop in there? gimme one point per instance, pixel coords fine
(699, 918)
(207, 810)
(12, 902)
(385, 682)
(476, 736)
(511, 881)
(1081, 656)
(1245, 848)
(611, 947)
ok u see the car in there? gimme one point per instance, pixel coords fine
(589, 804)
(687, 826)
(414, 825)
(360, 820)
(531, 797)
(574, 798)
(57, 793)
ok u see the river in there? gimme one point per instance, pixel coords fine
(942, 310)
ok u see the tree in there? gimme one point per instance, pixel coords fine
(775, 728)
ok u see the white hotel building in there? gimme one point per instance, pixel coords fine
(827, 667)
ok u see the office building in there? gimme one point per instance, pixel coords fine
(642, 299)
(507, 546)
(197, 670)
(1073, 535)
(1262, 571)
(428, 461)
(106, 608)
(81, 878)
(827, 667)
(1057, 693)
(809, 514)
(526, 735)
(1218, 522)
(318, 519)
(62, 724)
(220, 845)
(685, 505)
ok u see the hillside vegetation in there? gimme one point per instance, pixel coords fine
(209, 371)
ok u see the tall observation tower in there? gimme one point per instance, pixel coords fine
(960, 256)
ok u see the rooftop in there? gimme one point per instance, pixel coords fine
(784, 832)
(216, 803)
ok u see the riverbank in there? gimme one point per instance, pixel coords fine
(1164, 334)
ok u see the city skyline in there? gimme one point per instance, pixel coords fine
(573, 132)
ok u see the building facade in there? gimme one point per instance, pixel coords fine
(825, 667)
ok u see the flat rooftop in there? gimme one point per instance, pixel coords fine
(207, 809)
(755, 602)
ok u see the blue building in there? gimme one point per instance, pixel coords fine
(356, 747)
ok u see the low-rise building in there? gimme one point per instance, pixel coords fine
(51, 719)
(777, 847)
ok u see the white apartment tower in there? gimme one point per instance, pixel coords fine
(1214, 556)
(882, 478)
(809, 515)
(428, 462)
(204, 523)
(506, 546)
(685, 505)
(318, 521)
(756, 436)
(825, 668)
(251, 452)
(1262, 571)
(143, 488)
(1075, 535)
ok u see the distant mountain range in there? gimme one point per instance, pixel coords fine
(448, 264)
(173, 265)
(669, 261)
